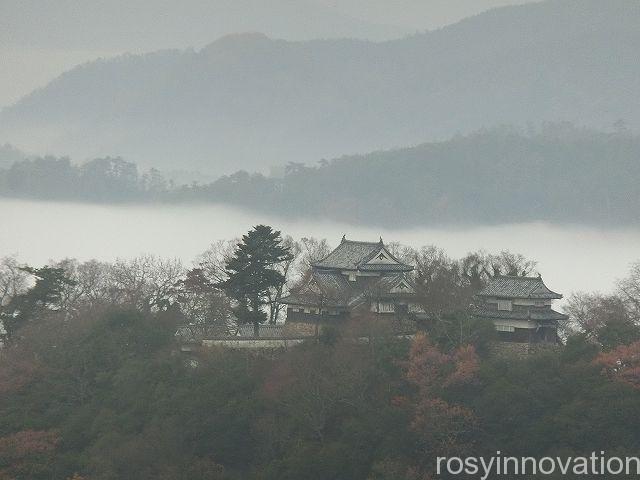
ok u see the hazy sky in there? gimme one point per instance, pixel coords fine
(39, 39)
(415, 14)
(568, 256)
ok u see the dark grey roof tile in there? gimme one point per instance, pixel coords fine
(518, 287)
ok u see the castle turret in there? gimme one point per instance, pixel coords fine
(520, 309)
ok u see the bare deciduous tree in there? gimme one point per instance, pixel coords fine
(13, 280)
(148, 282)
(309, 251)
(287, 271)
(629, 291)
(213, 260)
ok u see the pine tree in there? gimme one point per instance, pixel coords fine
(252, 273)
(45, 295)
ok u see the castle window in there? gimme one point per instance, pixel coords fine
(381, 257)
(386, 307)
(505, 328)
(505, 305)
(415, 308)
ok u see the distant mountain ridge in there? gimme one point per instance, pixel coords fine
(248, 101)
(559, 174)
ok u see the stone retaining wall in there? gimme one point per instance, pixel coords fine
(521, 350)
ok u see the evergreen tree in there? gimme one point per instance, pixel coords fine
(252, 273)
(45, 295)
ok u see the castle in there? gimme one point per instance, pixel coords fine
(355, 278)
(521, 310)
(364, 279)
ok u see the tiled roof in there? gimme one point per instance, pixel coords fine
(198, 331)
(195, 333)
(348, 254)
(386, 283)
(334, 286)
(264, 331)
(381, 286)
(518, 287)
(352, 255)
(385, 267)
(334, 290)
(329, 287)
(535, 314)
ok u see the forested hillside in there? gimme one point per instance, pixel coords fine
(248, 101)
(559, 174)
(10, 155)
(93, 385)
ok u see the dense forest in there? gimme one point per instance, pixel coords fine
(557, 173)
(94, 386)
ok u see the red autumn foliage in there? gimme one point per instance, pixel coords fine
(25, 452)
(466, 364)
(430, 370)
(442, 426)
(622, 364)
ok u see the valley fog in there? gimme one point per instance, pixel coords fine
(571, 258)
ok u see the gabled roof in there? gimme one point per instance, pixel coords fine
(332, 289)
(329, 287)
(352, 255)
(536, 315)
(383, 287)
(518, 287)
(386, 284)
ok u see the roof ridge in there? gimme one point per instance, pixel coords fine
(369, 257)
(524, 277)
(518, 287)
(361, 242)
(343, 242)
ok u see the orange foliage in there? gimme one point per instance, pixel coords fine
(430, 369)
(622, 364)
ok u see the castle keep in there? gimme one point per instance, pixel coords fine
(355, 277)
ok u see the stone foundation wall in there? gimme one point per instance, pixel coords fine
(521, 350)
(300, 329)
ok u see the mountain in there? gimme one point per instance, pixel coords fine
(145, 25)
(559, 173)
(248, 101)
(40, 39)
